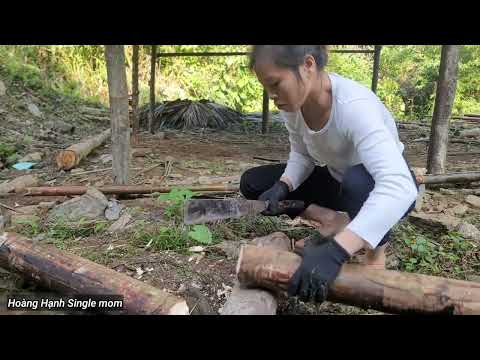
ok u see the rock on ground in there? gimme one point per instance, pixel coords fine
(19, 184)
(120, 224)
(469, 231)
(114, 208)
(3, 89)
(448, 222)
(473, 200)
(90, 206)
(34, 110)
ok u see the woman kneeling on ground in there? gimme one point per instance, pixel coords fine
(345, 157)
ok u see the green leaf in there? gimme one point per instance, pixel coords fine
(201, 234)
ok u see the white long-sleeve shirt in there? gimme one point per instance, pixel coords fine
(360, 130)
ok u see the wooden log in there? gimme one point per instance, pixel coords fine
(244, 301)
(141, 152)
(70, 190)
(70, 157)
(72, 275)
(384, 290)
(449, 178)
(475, 132)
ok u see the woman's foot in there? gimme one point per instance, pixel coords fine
(328, 222)
(375, 259)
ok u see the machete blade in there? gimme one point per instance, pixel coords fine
(199, 211)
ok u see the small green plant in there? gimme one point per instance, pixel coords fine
(201, 234)
(176, 199)
(6, 150)
(162, 238)
(449, 254)
(28, 227)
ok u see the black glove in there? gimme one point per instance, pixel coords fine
(278, 192)
(319, 268)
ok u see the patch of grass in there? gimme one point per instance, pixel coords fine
(448, 255)
(65, 233)
(62, 233)
(29, 228)
(162, 238)
(172, 236)
(6, 151)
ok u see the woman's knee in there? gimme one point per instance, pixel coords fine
(247, 184)
(255, 181)
(357, 180)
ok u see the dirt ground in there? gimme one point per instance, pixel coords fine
(193, 158)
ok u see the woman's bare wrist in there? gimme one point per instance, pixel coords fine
(288, 182)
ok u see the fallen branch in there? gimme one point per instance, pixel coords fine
(267, 159)
(149, 169)
(71, 156)
(466, 153)
(449, 178)
(10, 208)
(90, 172)
(357, 285)
(470, 132)
(121, 189)
(72, 275)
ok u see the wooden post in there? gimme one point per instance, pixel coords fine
(447, 83)
(135, 94)
(265, 112)
(376, 67)
(118, 93)
(153, 62)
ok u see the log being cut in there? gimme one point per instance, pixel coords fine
(244, 301)
(72, 275)
(70, 157)
(384, 290)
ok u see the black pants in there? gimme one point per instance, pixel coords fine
(319, 188)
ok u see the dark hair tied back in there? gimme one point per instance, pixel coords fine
(290, 56)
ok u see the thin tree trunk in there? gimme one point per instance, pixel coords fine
(118, 92)
(153, 62)
(265, 112)
(447, 84)
(135, 94)
(376, 67)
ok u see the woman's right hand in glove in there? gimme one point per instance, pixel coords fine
(278, 192)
